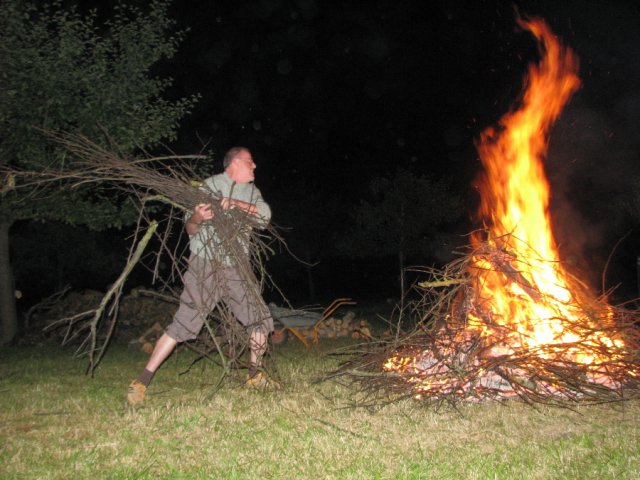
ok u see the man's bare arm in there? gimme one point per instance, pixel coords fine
(201, 213)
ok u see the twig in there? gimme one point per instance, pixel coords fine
(113, 290)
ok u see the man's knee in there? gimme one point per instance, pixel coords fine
(184, 330)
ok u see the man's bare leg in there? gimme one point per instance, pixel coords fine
(137, 389)
(164, 346)
(257, 348)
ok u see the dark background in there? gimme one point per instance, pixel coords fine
(329, 95)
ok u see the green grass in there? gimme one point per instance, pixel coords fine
(55, 422)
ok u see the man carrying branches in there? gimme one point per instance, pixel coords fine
(213, 275)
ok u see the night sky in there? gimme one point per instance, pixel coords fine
(352, 89)
(331, 94)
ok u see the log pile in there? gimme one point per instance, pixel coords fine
(143, 315)
(347, 326)
(138, 317)
(147, 341)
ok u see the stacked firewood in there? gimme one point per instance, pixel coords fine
(139, 316)
(347, 326)
(146, 342)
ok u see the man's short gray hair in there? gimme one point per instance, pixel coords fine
(231, 154)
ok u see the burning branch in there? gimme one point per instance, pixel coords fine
(460, 352)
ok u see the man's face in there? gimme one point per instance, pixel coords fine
(244, 167)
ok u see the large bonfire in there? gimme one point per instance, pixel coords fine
(506, 319)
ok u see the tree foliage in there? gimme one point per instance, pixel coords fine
(402, 217)
(307, 233)
(63, 71)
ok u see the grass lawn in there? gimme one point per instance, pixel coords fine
(55, 422)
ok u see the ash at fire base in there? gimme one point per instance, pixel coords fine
(507, 319)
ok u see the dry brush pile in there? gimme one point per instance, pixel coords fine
(461, 351)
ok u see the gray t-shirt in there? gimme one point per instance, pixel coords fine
(206, 243)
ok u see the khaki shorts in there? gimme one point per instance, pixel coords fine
(204, 287)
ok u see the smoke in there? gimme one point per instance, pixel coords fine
(591, 166)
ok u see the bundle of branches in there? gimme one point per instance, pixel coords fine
(462, 350)
(173, 181)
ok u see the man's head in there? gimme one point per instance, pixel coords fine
(238, 163)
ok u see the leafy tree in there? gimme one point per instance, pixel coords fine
(63, 71)
(305, 231)
(402, 218)
(98, 258)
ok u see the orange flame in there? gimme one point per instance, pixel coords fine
(515, 192)
(535, 301)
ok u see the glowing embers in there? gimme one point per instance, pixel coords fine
(487, 360)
